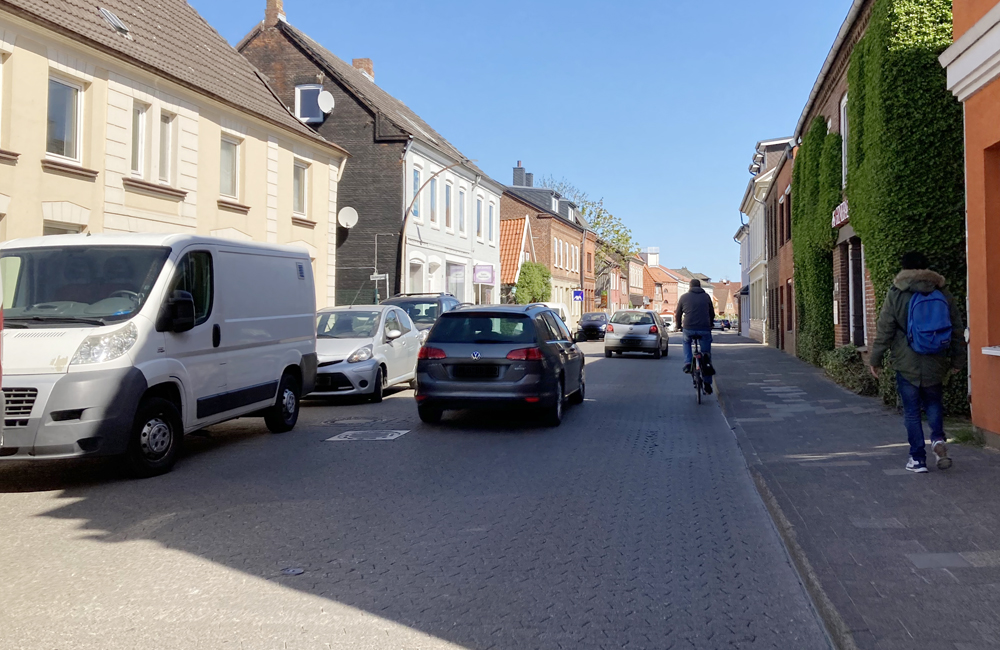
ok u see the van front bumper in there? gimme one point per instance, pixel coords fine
(71, 415)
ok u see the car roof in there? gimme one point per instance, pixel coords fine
(512, 309)
(328, 310)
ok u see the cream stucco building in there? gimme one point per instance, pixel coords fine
(113, 120)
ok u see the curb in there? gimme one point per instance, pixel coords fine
(836, 629)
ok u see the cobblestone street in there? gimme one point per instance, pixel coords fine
(633, 525)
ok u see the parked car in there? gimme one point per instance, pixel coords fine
(717, 325)
(591, 326)
(364, 349)
(499, 355)
(636, 330)
(423, 308)
(118, 345)
(726, 324)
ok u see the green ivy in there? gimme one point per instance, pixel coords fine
(905, 179)
(846, 367)
(816, 185)
(534, 284)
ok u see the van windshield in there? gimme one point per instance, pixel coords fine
(81, 285)
(482, 328)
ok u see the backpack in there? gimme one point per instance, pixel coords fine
(928, 327)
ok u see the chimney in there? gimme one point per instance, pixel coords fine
(529, 180)
(274, 12)
(366, 67)
(519, 175)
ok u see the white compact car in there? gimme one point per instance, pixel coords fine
(121, 344)
(364, 349)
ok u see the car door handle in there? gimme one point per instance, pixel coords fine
(216, 336)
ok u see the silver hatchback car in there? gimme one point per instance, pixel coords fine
(636, 330)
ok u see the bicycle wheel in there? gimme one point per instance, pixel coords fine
(698, 386)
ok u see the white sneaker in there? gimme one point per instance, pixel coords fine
(941, 452)
(916, 466)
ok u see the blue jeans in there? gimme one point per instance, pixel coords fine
(706, 346)
(916, 399)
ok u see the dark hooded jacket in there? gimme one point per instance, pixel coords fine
(695, 311)
(918, 369)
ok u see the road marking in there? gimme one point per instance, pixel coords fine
(350, 436)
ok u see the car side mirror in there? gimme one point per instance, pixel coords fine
(177, 313)
(392, 335)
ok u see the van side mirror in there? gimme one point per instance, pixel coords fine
(177, 313)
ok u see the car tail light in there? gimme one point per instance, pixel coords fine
(653, 329)
(611, 328)
(431, 353)
(525, 354)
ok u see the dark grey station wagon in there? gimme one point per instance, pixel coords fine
(497, 355)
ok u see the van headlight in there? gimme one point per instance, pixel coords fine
(106, 347)
(361, 354)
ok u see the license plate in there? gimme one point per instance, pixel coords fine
(476, 371)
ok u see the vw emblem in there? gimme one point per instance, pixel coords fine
(476, 356)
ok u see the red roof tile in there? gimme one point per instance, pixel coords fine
(511, 242)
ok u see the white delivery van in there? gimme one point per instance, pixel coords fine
(121, 344)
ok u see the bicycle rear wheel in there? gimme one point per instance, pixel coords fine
(699, 386)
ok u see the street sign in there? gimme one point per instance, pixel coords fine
(378, 276)
(577, 296)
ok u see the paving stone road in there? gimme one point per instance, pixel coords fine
(634, 525)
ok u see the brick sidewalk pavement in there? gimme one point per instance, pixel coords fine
(894, 560)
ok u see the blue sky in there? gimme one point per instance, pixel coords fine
(656, 107)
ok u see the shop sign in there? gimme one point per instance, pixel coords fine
(483, 274)
(841, 215)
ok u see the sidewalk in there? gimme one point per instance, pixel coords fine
(893, 560)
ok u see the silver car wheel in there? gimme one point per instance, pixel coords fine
(155, 438)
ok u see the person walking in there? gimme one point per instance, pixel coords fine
(695, 316)
(921, 329)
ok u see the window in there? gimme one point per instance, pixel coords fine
(447, 207)
(194, 275)
(404, 322)
(479, 218)
(491, 223)
(416, 193)
(456, 279)
(138, 137)
(590, 262)
(843, 134)
(229, 168)
(391, 322)
(166, 147)
(307, 103)
(434, 200)
(300, 188)
(557, 247)
(63, 137)
(461, 212)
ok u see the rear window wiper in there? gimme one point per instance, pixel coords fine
(59, 319)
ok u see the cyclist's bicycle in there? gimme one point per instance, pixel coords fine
(697, 375)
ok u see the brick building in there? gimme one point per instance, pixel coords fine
(590, 271)
(451, 239)
(558, 234)
(780, 263)
(973, 77)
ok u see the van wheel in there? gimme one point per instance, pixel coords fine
(554, 414)
(285, 413)
(379, 389)
(155, 439)
(429, 414)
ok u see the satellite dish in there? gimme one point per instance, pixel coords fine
(347, 218)
(325, 101)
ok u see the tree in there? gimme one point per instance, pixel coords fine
(534, 284)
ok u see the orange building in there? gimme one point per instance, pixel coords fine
(974, 77)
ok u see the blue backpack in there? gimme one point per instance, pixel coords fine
(928, 327)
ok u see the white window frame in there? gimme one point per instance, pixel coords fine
(844, 130)
(168, 177)
(305, 167)
(137, 154)
(298, 103)
(449, 205)
(491, 223)
(239, 163)
(417, 181)
(479, 218)
(79, 119)
(432, 187)
(462, 229)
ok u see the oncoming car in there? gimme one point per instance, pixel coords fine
(592, 326)
(497, 356)
(636, 330)
(363, 350)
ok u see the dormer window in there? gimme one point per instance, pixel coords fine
(555, 205)
(569, 211)
(307, 103)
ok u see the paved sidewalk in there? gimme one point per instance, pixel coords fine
(900, 560)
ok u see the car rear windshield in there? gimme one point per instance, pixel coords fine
(597, 316)
(483, 328)
(632, 318)
(421, 311)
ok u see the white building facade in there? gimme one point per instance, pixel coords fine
(756, 268)
(453, 232)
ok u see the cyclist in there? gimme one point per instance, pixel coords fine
(695, 316)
